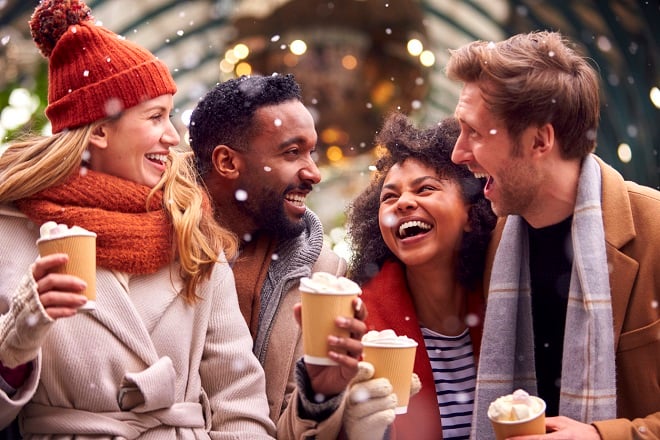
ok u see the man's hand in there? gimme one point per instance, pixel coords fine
(563, 428)
(328, 381)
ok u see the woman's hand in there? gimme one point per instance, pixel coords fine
(60, 294)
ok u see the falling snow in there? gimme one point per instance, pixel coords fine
(32, 320)
(241, 195)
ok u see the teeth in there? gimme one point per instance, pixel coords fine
(297, 199)
(413, 224)
(480, 175)
(157, 157)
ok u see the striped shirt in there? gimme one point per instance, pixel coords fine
(454, 372)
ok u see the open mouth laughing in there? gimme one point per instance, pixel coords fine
(160, 159)
(413, 228)
(296, 199)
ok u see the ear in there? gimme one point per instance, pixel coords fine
(544, 139)
(227, 162)
(99, 137)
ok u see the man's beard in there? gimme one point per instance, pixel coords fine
(268, 213)
(517, 190)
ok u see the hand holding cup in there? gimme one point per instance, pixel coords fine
(393, 357)
(517, 414)
(80, 247)
(325, 298)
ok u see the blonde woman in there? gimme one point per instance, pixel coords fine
(166, 352)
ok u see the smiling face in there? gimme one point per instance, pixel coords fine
(279, 170)
(487, 148)
(135, 145)
(422, 217)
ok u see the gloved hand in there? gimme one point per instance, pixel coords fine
(415, 385)
(370, 405)
(24, 327)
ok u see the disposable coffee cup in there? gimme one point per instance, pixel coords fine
(394, 361)
(81, 249)
(533, 425)
(319, 311)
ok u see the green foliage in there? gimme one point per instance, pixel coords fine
(39, 88)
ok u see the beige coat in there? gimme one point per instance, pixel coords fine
(284, 349)
(631, 219)
(142, 365)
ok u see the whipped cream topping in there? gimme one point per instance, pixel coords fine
(515, 407)
(324, 282)
(50, 230)
(387, 337)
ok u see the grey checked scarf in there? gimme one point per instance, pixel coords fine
(588, 389)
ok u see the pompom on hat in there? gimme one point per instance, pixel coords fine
(93, 73)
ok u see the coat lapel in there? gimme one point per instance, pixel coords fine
(619, 230)
(115, 310)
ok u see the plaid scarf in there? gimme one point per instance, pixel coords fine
(588, 389)
(131, 237)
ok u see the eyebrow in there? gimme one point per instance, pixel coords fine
(156, 107)
(294, 140)
(417, 181)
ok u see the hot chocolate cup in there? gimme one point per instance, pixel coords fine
(81, 249)
(319, 311)
(533, 425)
(394, 361)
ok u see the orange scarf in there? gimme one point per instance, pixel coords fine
(131, 237)
(250, 272)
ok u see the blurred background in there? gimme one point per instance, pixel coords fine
(357, 60)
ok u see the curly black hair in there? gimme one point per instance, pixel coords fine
(431, 146)
(224, 116)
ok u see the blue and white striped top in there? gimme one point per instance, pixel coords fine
(454, 372)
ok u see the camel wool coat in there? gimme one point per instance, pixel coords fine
(631, 216)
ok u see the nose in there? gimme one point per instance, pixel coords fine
(406, 201)
(461, 154)
(171, 135)
(310, 172)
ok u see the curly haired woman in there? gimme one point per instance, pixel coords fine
(419, 233)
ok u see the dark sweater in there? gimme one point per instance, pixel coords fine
(550, 262)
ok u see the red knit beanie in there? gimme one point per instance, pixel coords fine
(93, 73)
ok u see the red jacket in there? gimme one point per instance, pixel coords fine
(389, 305)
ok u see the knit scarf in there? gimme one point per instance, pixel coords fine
(588, 389)
(250, 271)
(130, 237)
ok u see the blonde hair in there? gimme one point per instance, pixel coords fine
(200, 241)
(39, 162)
(33, 164)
